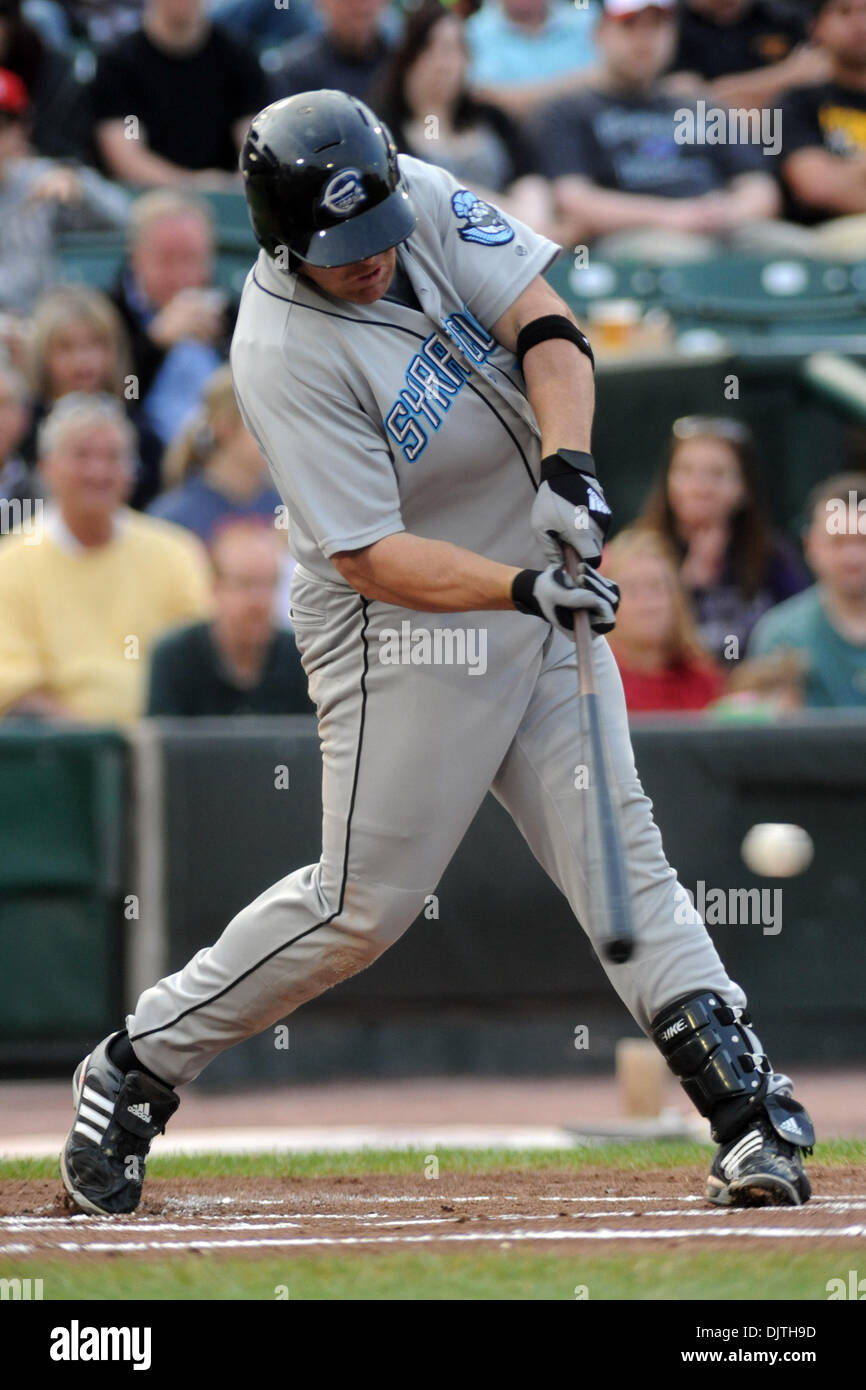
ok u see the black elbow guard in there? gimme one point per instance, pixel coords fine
(551, 326)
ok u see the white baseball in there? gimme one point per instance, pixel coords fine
(776, 850)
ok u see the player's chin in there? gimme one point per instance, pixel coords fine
(366, 289)
(369, 292)
(365, 296)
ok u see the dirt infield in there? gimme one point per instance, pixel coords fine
(541, 1210)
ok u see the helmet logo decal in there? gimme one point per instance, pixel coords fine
(483, 223)
(343, 193)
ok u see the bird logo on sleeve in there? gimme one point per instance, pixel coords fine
(485, 224)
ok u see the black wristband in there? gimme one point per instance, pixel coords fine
(521, 593)
(551, 326)
(565, 461)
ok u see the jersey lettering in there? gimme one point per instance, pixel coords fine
(417, 399)
(471, 338)
(433, 378)
(446, 364)
(407, 432)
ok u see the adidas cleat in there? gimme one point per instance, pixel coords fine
(117, 1115)
(764, 1166)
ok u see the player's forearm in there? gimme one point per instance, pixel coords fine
(561, 391)
(430, 576)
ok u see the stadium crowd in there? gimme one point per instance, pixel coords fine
(157, 582)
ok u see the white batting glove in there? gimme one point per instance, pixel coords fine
(570, 507)
(554, 595)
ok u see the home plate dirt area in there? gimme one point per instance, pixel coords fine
(603, 1208)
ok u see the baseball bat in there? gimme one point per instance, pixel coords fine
(613, 914)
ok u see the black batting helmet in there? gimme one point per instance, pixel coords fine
(321, 179)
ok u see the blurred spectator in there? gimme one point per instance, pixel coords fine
(179, 323)
(661, 661)
(80, 609)
(222, 475)
(16, 479)
(525, 52)
(827, 623)
(50, 21)
(762, 688)
(425, 102)
(39, 199)
(706, 505)
(58, 115)
(823, 161)
(99, 23)
(239, 662)
(348, 54)
(261, 24)
(747, 52)
(14, 341)
(78, 344)
(172, 102)
(618, 166)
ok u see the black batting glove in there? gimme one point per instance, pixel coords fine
(570, 507)
(552, 594)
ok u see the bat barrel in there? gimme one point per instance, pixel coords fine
(615, 913)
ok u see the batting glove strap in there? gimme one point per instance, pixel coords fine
(566, 461)
(522, 593)
(552, 594)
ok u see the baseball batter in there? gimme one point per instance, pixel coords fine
(424, 401)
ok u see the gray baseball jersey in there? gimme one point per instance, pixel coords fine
(369, 414)
(375, 419)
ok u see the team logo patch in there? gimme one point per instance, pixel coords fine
(343, 193)
(484, 223)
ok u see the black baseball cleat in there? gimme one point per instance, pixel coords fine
(117, 1115)
(761, 1168)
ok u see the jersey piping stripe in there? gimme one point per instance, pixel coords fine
(508, 430)
(149, 1032)
(399, 328)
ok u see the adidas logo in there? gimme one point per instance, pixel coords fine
(596, 503)
(141, 1112)
(792, 1125)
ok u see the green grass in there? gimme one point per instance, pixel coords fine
(708, 1274)
(637, 1156)
(510, 1272)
